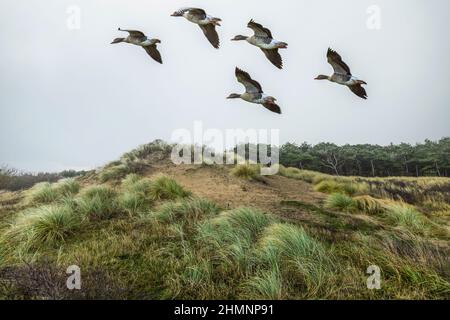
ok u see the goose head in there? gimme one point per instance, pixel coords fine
(239, 37)
(118, 40)
(234, 96)
(322, 77)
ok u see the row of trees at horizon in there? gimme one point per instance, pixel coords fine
(423, 159)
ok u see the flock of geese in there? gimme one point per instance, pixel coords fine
(263, 39)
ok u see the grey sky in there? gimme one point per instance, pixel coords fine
(69, 99)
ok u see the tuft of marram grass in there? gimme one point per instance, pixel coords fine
(99, 202)
(44, 225)
(188, 211)
(368, 204)
(339, 201)
(47, 193)
(406, 216)
(266, 285)
(295, 173)
(246, 171)
(230, 236)
(166, 188)
(67, 187)
(114, 172)
(134, 203)
(42, 193)
(307, 258)
(130, 180)
(333, 186)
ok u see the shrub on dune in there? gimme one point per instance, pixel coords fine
(42, 193)
(406, 216)
(47, 193)
(189, 211)
(265, 285)
(134, 203)
(249, 218)
(246, 171)
(166, 188)
(67, 187)
(339, 201)
(328, 186)
(130, 180)
(98, 202)
(309, 261)
(368, 204)
(332, 186)
(45, 225)
(115, 172)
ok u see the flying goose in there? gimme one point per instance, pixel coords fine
(253, 92)
(263, 39)
(140, 39)
(342, 75)
(204, 21)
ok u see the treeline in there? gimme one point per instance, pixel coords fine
(424, 159)
(12, 179)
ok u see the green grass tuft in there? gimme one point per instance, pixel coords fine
(166, 188)
(99, 202)
(310, 263)
(189, 211)
(267, 285)
(45, 225)
(246, 171)
(406, 216)
(339, 201)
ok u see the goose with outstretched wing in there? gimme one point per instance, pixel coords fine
(262, 38)
(253, 92)
(206, 22)
(342, 75)
(140, 39)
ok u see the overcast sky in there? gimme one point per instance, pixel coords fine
(69, 99)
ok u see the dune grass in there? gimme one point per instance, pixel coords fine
(332, 186)
(246, 171)
(339, 201)
(266, 285)
(406, 216)
(154, 240)
(308, 263)
(46, 193)
(99, 202)
(166, 188)
(45, 225)
(189, 211)
(368, 204)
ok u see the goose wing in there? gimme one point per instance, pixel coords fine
(259, 30)
(199, 13)
(336, 62)
(359, 91)
(251, 86)
(209, 30)
(135, 34)
(153, 52)
(272, 107)
(274, 56)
